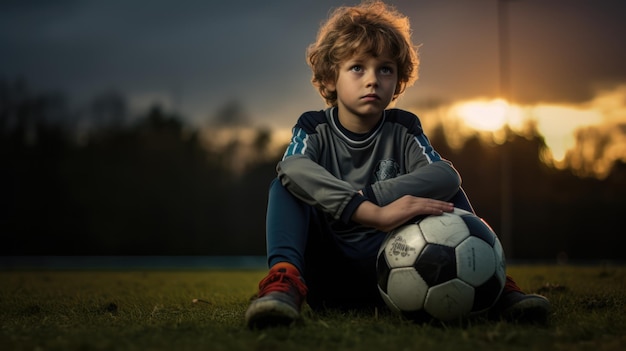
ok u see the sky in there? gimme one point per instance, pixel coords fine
(195, 56)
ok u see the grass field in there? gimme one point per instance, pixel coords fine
(155, 310)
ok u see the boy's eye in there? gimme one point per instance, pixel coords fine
(386, 70)
(356, 68)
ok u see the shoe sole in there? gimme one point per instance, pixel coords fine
(530, 310)
(270, 313)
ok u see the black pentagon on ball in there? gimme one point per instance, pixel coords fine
(436, 264)
(486, 294)
(478, 228)
(382, 272)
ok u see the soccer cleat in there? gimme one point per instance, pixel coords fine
(516, 306)
(280, 297)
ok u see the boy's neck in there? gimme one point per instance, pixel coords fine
(358, 124)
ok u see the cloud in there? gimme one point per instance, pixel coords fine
(253, 51)
(560, 51)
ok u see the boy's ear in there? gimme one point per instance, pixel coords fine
(330, 85)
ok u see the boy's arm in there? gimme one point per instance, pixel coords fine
(427, 173)
(438, 180)
(310, 182)
(388, 217)
(337, 197)
(313, 184)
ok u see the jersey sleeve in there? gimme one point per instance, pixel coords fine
(300, 172)
(427, 173)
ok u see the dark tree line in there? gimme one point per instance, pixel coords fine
(109, 184)
(554, 213)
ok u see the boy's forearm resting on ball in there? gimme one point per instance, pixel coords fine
(387, 218)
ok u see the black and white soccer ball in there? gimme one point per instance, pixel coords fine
(446, 267)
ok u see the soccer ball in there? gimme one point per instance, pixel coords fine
(445, 267)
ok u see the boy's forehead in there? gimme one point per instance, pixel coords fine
(368, 55)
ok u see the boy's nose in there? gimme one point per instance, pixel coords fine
(372, 80)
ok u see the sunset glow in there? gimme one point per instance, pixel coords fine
(483, 115)
(558, 125)
(587, 138)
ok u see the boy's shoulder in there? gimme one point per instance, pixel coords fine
(310, 120)
(407, 119)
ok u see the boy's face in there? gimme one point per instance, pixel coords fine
(365, 86)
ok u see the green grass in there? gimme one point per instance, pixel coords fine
(154, 310)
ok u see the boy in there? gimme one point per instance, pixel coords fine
(354, 172)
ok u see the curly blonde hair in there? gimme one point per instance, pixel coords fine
(373, 28)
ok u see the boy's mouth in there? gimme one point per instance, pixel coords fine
(370, 97)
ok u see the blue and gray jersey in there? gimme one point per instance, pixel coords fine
(326, 166)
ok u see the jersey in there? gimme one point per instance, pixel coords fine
(326, 165)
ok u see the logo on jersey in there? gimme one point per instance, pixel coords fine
(387, 169)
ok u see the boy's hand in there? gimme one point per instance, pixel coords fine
(389, 217)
